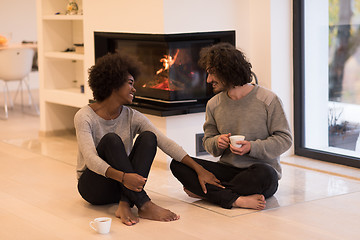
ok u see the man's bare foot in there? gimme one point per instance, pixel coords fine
(256, 201)
(190, 194)
(124, 213)
(154, 212)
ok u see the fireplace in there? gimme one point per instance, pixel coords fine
(171, 82)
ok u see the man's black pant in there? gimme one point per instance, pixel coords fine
(256, 179)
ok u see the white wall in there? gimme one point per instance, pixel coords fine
(260, 40)
(18, 21)
(281, 60)
(18, 17)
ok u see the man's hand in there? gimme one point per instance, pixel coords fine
(224, 141)
(244, 149)
(207, 177)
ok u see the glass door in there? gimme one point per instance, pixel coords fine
(327, 80)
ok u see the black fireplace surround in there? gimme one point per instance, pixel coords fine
(171, 82)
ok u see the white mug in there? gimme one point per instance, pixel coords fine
(234, 139)
(101, 225)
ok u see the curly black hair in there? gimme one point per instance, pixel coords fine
(110, 72)
(227, 63)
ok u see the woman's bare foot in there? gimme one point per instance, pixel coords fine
(190, 194)
(154, 212)
(124, 213)
(256, 201)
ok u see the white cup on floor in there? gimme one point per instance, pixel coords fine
(101, 225)
(234, 139)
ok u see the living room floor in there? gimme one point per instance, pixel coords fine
(39, 199)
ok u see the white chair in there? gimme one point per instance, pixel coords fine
(15, 65)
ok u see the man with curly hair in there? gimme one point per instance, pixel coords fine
(249, 174)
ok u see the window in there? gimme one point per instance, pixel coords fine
(327, 80)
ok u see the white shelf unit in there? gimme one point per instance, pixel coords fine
(61, 72)
(62, 17)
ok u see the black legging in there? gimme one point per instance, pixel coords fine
(256, 179)
(99, 190)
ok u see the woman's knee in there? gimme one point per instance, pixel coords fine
(109, 141)
(111, 138)
(148, 138)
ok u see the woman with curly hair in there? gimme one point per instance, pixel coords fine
(111, 168)
(249, 173)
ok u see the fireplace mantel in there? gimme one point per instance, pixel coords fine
(165, 111)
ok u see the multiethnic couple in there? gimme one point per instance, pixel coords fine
(113, 169)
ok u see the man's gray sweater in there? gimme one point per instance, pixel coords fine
(259, 116)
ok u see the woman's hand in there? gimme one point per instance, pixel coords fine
(244, 149)
(224, 141)
(207, 177)
(204, 175)
(133, 181)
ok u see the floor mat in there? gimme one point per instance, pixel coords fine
(296, 186)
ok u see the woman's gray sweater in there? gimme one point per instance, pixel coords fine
(90, 128)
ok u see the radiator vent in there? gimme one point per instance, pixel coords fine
(199, 144)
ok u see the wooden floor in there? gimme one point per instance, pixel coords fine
(39, 199)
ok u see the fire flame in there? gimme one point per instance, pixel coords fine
(162, 81)
(167, 61)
